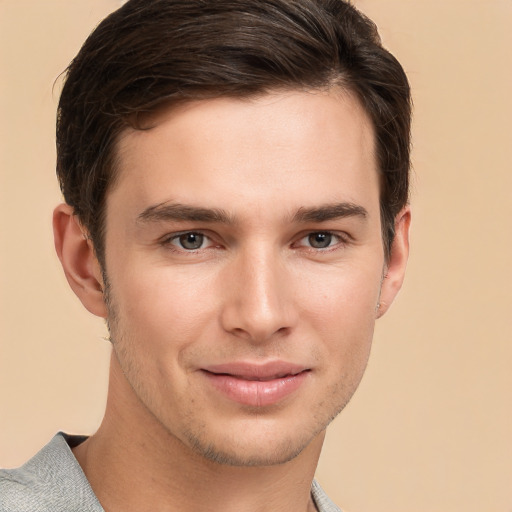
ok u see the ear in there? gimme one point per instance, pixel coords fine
(394, 271)
(76, 254)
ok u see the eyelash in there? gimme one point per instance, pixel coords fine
(167, 242)
(341, 240)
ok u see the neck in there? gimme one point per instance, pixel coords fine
(133, 463)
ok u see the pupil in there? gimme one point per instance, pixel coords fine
(191, 240)
(320, 240)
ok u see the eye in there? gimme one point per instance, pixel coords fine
(189, 241)
(320, 240)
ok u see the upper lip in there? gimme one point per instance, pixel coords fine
(256, 371)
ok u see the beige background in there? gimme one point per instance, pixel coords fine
(430, 427)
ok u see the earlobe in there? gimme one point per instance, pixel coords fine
(76, 254)
(397, 262)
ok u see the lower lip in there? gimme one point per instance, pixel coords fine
(256, 393)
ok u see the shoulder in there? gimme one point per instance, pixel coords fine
(51, 481)
(322, 501)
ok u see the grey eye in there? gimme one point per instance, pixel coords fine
(191, 241)
(320, 240)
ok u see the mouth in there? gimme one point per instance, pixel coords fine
(256, 385)
(258, 379)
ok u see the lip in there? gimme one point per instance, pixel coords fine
(256, 385)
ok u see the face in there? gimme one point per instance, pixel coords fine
(245, 262)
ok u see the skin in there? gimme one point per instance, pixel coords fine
(290, 267)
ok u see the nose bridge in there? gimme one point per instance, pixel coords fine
(258, 305)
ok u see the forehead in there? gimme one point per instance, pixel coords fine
(293, 142)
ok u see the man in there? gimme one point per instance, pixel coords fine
(236, 177)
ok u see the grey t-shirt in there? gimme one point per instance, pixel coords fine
(53, 481)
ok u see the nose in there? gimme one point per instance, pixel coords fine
(259, 301)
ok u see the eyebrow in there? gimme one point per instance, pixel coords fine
(330, 212)
(179, 212)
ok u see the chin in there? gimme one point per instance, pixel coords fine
(258, 444)
(248, 456)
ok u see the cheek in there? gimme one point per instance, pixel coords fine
(341, 315)
(346, 295)
(163, 307)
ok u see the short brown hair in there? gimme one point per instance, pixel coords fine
(154, 52)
